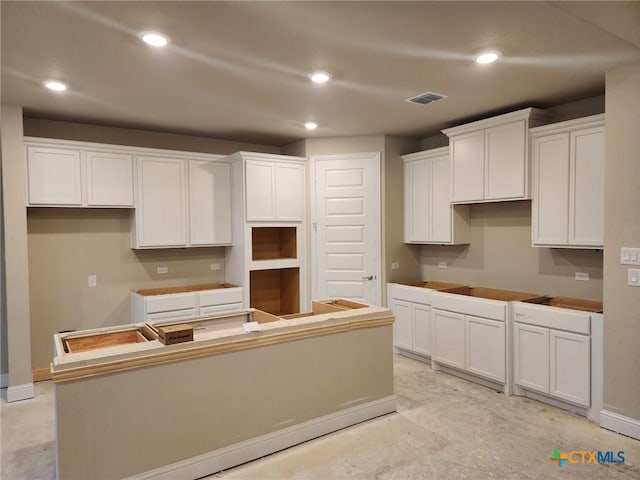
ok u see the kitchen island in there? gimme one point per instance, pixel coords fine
(137, 408)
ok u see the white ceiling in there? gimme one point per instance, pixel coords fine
(238, 70)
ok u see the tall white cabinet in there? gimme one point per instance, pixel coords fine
(490, 159)
(269, 221)
(568, 183)
(429, 217)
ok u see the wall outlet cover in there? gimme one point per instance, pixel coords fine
(214, 266)
(442, 265)
(162, 270)
(582, 276)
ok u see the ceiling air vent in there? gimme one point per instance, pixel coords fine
(426, 97)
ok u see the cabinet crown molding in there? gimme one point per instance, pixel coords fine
(425, 154)
(265, 156)
(567, 125)
(535, 117)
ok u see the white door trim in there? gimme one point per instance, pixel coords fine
(313, 160)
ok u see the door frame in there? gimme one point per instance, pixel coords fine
(313, 161)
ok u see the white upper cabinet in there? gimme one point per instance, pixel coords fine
(62, 173)
(568, 183)
(429, 217)
(274, 188)
(489, 158)
(109, 179)
(161, 212)
(54, 176)
(209, 203)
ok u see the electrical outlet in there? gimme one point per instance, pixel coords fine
(162, 270)
(395, 265)
(214, 266)
(582, 276)
(442, 265)
(92, 281)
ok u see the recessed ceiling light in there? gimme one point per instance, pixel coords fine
(55, 85)
(154, 39)
(311, 125)
(320, 77)
(487, 57)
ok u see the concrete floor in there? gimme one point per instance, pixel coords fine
(445, 428)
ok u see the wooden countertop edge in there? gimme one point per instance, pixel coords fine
(255, 340)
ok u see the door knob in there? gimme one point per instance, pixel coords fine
(370, 277)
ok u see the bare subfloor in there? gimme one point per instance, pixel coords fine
(445, 428)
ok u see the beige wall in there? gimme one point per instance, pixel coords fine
(500, 255)
(622, 228)
(36, 127)
(15, 247)
(68, 244)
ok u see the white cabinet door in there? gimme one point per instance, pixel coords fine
(403, 325)
(289, 192)
(421, 329)
(259, 190)
(531, 357)
(586, 226)
(440, 209)
(109, 179)
(449, 338)
(209, 203)
(506, 161)
(161, 213)
(467, 167)
(551, 189)
(54, 176)
(416, 201)
(570, 367)
(486, 348)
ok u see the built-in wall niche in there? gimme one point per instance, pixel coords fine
(275, 291)
(270, 243)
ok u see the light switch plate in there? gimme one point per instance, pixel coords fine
(629, 256)
(162, 270)
(92, 281)
(633, 277)
(442, 264)
(395, 265)
(214, 266)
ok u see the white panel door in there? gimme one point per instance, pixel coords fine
(109, 179)
(531, 357)
(347, 227)
(440, 205)
(54, 176)
(422, 329)
(486, 348)
(570, 364)
(209, 203)
(587, 187)
(416, 201)
(403, 325)
(551, 190)
(506, 161)
(289, 192)
(449, 338)
(161, 213)
(467, 167)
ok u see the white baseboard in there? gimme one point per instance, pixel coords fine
(4, 380)
(20, 392)
(619, 423)
(227, 457)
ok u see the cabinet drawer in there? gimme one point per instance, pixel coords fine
(220, 296)
(174, 314)
(227, 307)
(164, 303)
(552, 317)
(479, 307)
(412, 294)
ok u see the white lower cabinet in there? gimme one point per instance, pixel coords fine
(473, 344)
(548, 358)
(412, 328)
(449, 332)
